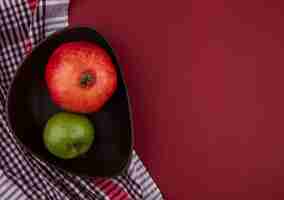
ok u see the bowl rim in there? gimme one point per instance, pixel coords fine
(122, 74)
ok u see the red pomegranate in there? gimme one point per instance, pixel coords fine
(80, 77)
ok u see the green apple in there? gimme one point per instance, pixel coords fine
(68, 135)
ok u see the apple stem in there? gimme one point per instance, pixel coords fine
(75, 146)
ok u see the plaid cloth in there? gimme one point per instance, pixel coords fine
(23, 24)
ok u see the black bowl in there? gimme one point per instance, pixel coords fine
(29, 107)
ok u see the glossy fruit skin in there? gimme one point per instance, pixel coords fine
(66, 69)
(68, 135)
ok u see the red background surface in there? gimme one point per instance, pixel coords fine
(206, 84)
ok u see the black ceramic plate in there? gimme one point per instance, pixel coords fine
(29, 107)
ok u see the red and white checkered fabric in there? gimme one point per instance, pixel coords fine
(23, 24)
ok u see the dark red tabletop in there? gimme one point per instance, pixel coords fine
(206, 84)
